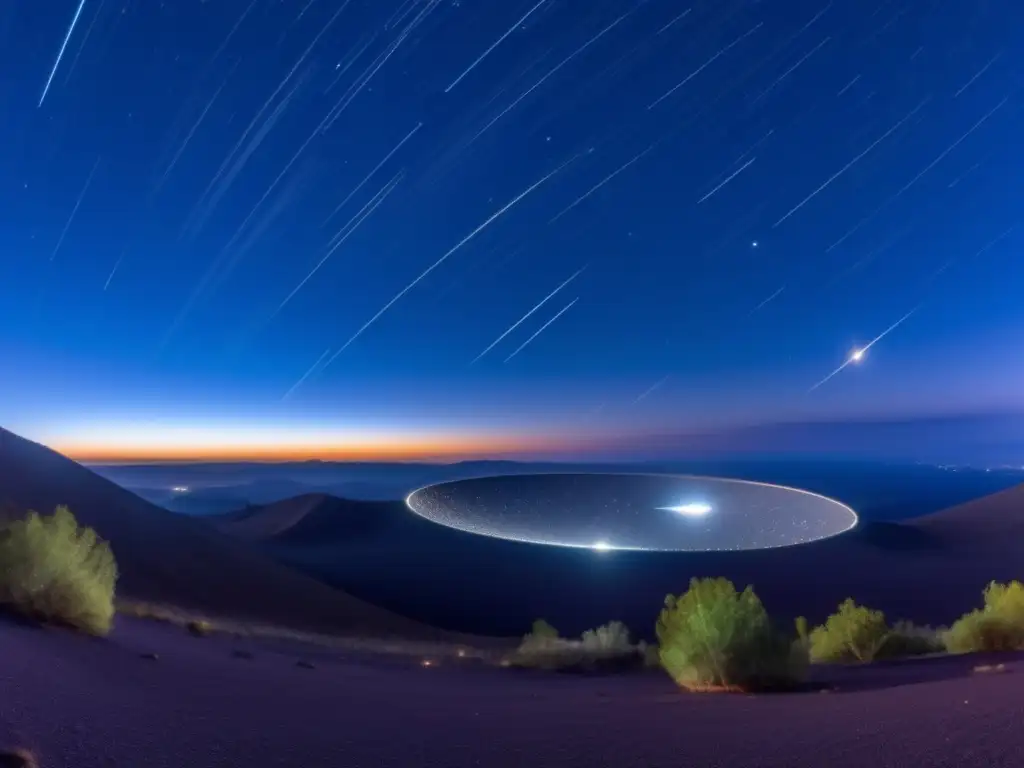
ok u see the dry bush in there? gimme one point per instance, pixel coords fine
(908, 639)
(199, 627)
(606, 648)
(53, 570)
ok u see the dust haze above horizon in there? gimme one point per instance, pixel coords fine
(445, 229)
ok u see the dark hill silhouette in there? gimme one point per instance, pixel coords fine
(310, 518)
(930, 569)
(168, 558)
(995, 519)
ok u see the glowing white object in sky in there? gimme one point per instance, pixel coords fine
(601, 546)
(858, 354)
(694, 509)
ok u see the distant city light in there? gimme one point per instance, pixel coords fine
(695, 509)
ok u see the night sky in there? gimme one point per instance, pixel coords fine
(296, 227)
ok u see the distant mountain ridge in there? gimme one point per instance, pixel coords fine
(168, 558)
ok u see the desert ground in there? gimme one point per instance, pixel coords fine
(93, 704)
(357, 691)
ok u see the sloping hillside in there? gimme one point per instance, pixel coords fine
(164, 557)
(997, 519)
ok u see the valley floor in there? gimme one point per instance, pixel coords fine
(89, 703)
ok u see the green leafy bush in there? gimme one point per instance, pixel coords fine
(852, 633)
(541, 637)
(802, 633)
(543, 631)
(858, 634)
(54, 570)
(997, 626)
(713, 637)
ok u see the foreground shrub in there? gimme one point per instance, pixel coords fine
(199, 627)
(54, 570)
(997, 626)
(715, 638)
(802, 633)
(853, 633)
(607, 648)
(541, 630)
(613, 636)
(908, 639)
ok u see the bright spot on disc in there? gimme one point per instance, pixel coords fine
(696, 509)
(601, 546)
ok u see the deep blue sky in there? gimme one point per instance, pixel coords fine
(181, 178)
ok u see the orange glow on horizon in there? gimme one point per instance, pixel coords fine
(444, 449)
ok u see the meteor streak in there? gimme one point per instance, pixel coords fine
(544, 79)
(850, 164)
(494, 45)
(600, 184)
(702, 67)
(350, 226)
(520, 321)
(914, 180)
(81, 196)
(727, 179)
(60, 54)
(858, 354)
(376, 168)
(540, 330)
(680, 17)
(444, 258)
(114, 270)
(306, 375)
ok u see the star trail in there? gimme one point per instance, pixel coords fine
(519, 224)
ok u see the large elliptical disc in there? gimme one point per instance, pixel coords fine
(658, 512)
